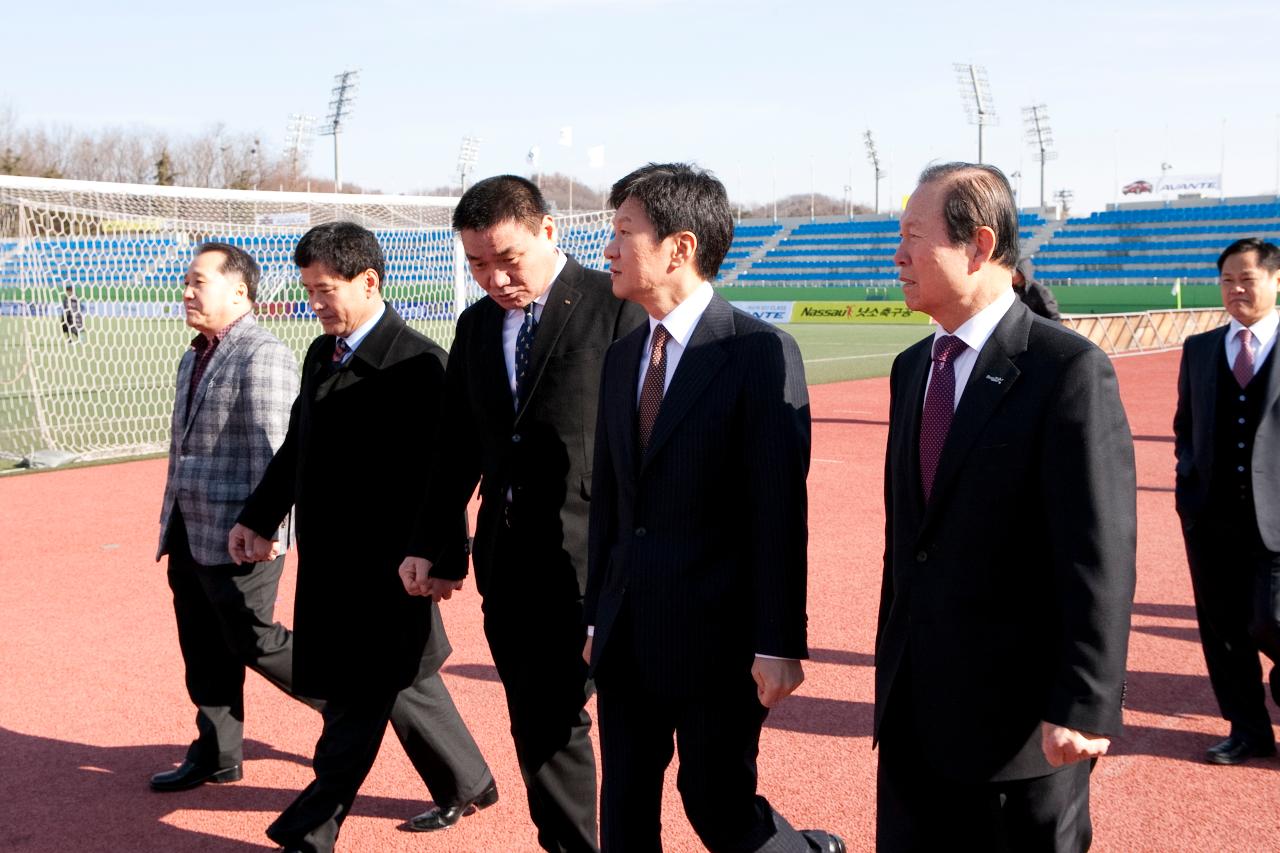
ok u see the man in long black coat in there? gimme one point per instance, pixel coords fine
(353, 464)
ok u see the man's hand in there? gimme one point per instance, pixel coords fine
(1062, 745)
(442, 588)
(245, 546)
(776, 679)
(415, 575)
(586, 650)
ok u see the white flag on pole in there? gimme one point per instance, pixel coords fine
(566, 136)
(535, 153)
(595, 157)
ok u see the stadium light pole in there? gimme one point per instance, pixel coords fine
(1064, 198)
(344, 95)
(874, 157)
(1039, 137)
(975, 91)
(299, 135)
(468, 156)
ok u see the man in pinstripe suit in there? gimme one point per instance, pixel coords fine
(236, 384)
(695, 600)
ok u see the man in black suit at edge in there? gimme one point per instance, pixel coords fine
(518, 417)
(1000, 654)
(1228, 494)
(698, 567)
(352, 463)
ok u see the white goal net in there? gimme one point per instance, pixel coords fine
(91, 320)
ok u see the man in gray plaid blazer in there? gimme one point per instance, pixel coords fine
(236, 384)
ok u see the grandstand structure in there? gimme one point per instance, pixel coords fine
(122, 250)
(831, 252)
(1140, 243)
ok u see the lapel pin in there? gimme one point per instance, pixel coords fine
(568, 302)
(995, 379)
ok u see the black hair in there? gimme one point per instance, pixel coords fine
(345, 248)
(682, 197)
(502, 198)
(1268, 253)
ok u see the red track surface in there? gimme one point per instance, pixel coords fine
(92, 699)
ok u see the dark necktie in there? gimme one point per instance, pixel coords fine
(340, 350)
(524, 347)
(1243, 366)
(651, 391)
(939, 407)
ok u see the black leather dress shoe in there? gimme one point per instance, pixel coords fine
(826, 842)
(188, 775)
(1236, 749)
(442, 818)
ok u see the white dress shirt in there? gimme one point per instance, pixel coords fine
(1264, 338)
(515, 319)
(679, 325)
(975, 332)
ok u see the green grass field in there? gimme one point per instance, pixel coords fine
(114, 388)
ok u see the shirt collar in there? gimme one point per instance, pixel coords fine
(353, 340)
(1263, 330)
(200, 343)
(682, 319)
(977, 329)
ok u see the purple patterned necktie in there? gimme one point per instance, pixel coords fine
(1243, 367)
(340, 350)
(654, 378)
(939, 406)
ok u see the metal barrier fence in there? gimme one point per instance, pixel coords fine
(1145, 331)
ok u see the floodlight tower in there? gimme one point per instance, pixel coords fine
(1064, 198)
(1040, 137)
(345, 85)
(298, 137)
(874, 157)
(468, 156)
(976, 94)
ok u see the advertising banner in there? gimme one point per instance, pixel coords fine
(770, 312)
(857, 312)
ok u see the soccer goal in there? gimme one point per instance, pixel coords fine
(91, 318)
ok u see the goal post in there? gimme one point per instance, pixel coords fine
(91, 318)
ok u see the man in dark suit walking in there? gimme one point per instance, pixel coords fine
(698, 568)
(235, 385)
(518, 417)
(1228, 494)
(353, 465)
(1000, 653)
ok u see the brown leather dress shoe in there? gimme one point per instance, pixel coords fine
(188, 775)
(445, 817)
(1236, 749)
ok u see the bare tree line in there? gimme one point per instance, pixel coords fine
(213, 157)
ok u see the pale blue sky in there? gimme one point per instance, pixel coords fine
(743, 87)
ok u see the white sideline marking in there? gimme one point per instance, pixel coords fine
(848, 357)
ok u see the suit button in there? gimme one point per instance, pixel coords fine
(640, 532)
(922, 556)
(515, 439)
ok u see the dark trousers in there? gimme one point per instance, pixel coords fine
(226, 622)
(918, 810)
(717, 734)
(1236, 582)
(432, 733)
(533, 623)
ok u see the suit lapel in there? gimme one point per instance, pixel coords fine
(1207, 382)
(562, 300)
(914, 381)
(994, 375)
(372, 351)
(702, 359)
(625, 368)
